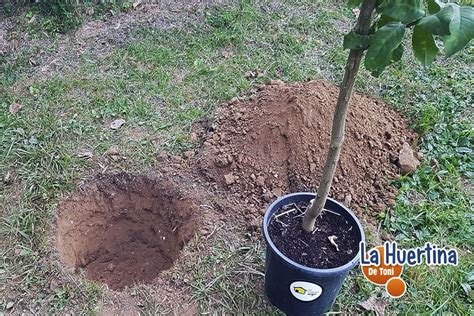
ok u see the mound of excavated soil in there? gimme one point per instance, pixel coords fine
(276, 142)
(123, 229)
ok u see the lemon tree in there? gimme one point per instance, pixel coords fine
(379, 39)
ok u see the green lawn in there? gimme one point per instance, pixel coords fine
(160, 82)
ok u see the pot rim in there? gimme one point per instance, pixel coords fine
(346, 267)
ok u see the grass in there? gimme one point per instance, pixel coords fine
(229, 276)
(48, 18)
(164, 80)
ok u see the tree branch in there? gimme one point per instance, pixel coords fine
(337, 134)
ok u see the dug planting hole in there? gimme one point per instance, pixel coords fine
(123, 229)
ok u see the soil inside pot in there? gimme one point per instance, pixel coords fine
(334, 242)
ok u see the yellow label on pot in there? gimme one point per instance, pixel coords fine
(305, 291)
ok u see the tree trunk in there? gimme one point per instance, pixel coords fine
(339, 121)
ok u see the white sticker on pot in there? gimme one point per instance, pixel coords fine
(305, 291)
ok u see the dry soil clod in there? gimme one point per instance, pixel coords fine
(407, 160)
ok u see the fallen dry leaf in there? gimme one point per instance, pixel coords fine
(227, 53)
(136, 3)
(15, 108)
(7, 178)
(253, 74)
(117, 124)
(375, 304)
(14, 44)
(9, 305)
(85, 154)
(113, 150)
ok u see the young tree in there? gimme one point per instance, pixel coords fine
(433, 23)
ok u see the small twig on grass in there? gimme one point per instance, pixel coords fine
(255, 199)
(214, 230)
(332, 240)
(249, 270)
(104, 168)
(206, 206)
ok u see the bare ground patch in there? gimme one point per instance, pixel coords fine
(96, 39)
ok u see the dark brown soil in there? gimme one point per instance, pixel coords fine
(314, 250)
(123, 229)
(276, 142)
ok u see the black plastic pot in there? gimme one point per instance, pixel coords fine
(294, 288)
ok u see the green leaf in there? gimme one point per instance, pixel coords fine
(396, 56)
(383, 44)
(377, 72)
(424, 46)
(406, 11)
(466, 2)
(354, 3)
(384, 20)
(433, 6)
(438, 24)
(461, 29)
(355, 41)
